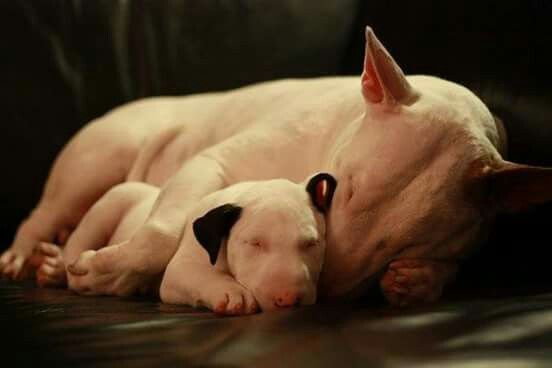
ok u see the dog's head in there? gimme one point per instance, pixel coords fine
(420, 175)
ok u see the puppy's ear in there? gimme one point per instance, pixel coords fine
(211, 229)
(321, 188)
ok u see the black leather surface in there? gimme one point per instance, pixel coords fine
(66, 62)
(56, 328)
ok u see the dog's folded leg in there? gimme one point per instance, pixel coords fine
(414, 281)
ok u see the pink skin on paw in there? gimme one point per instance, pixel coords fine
(221, 306)
(104, 272)
(84, 277)
(5, 260)
(48, 260)
(409, 281)
(18, 264)
(236, 302)
(15, 266)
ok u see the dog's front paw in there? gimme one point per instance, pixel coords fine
(51, 269)
(413, 281)
(233, 299)
(17, 264)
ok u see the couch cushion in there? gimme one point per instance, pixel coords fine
(71, 61)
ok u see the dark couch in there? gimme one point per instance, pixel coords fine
(66, 62)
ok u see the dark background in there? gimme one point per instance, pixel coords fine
(64, 63)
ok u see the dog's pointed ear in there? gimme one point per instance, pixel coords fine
(511, 187)
(211, 229)
(321, 188)
(383, 81)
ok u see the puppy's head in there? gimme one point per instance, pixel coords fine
(273, 237)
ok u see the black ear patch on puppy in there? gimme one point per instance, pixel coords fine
(211, 229)
(321, 188)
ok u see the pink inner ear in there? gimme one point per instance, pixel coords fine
(371, 86)
(321, 193)
(382, 79)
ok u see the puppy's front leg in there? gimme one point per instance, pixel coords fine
(200, 285)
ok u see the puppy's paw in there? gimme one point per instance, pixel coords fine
(50, 266)
(106, 272)
(233, 300)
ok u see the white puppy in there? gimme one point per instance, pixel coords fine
(265, 240)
